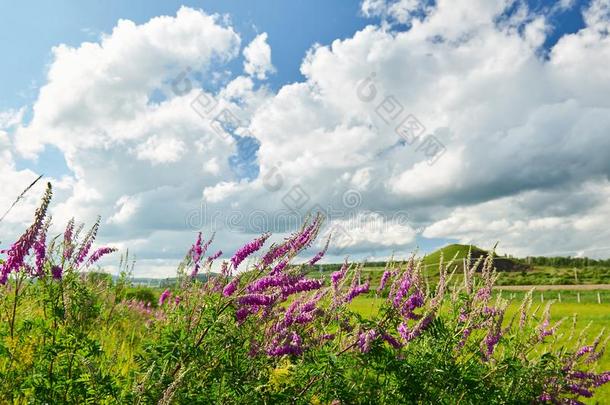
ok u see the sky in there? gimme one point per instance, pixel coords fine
(409, 124)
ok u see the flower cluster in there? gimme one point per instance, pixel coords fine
(19, 250)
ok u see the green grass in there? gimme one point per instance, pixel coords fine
(587, 312)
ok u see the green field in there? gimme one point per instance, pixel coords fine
(596, 316)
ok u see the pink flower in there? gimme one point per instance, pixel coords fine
(97, 255)
(164, 296)
(20, 249)
(248, 249)
(57, 272)
(230, 287)
(357, 290)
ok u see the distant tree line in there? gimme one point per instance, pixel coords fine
(557, 261)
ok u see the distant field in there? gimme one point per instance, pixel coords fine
(597, 315)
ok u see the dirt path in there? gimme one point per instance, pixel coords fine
(569, 287)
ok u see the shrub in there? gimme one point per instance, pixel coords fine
(270, 334)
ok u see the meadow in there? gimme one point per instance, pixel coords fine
(265, 330)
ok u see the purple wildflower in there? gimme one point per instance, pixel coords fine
(164, 296)
(256, 299)
(40, 249)
(300, 286)
(384, 279)
(230, 287)
(391, 340)
(86, 245)
(293, 347)
(403, 290)
(242, 313)
(320, 254)
(97, 255)
(215, 256)
(410, 334)
(56, 272)
(357, 290)
(248, 249)
(583, 350)
(465, 336)
(279, 267)
(337, 276)
(68, 233)
(197, 249)
(267, 281)
(545, 397)
(580, 390)
(365, 339)
(19, 250)
(490, 342)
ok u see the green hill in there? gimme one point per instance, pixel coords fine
(449, 251)
(460, 252)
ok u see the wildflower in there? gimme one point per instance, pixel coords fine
(417, 330)
(403, 290)
(17, 253)
(56, 272)
(465, 336)
(583, 350)
(357, 290)
(256, 299)
(490, 342)
(242, 313)
(365, 339)
(384, 279)
(266, 282)
(97, 255)
(293, 347)
(197, 249)
(337, 276)
(279, 267)
(40, 249)
(580, 390)
(68, 233)
(300, 286)
(320, 254)
(248, 249)
(215, 256)
(87, 242)
(230, 287)
(391, 340)
(164, 296)
(544, 397)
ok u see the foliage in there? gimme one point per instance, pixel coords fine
(271, 334)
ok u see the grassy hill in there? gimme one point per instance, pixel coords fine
(460, 252)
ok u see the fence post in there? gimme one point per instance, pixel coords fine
(559, 296)
(578, 297)
(599, 298)
(541, 297)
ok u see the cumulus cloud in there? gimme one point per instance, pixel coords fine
(520, 133)
(257, 57)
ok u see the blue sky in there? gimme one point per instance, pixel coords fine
(29, 29)
(514, 94)
(293, 27)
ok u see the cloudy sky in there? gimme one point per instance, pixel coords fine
(409, 124)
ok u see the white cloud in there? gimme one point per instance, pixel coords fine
(526, 136)
(257, 56)
(161, 150)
